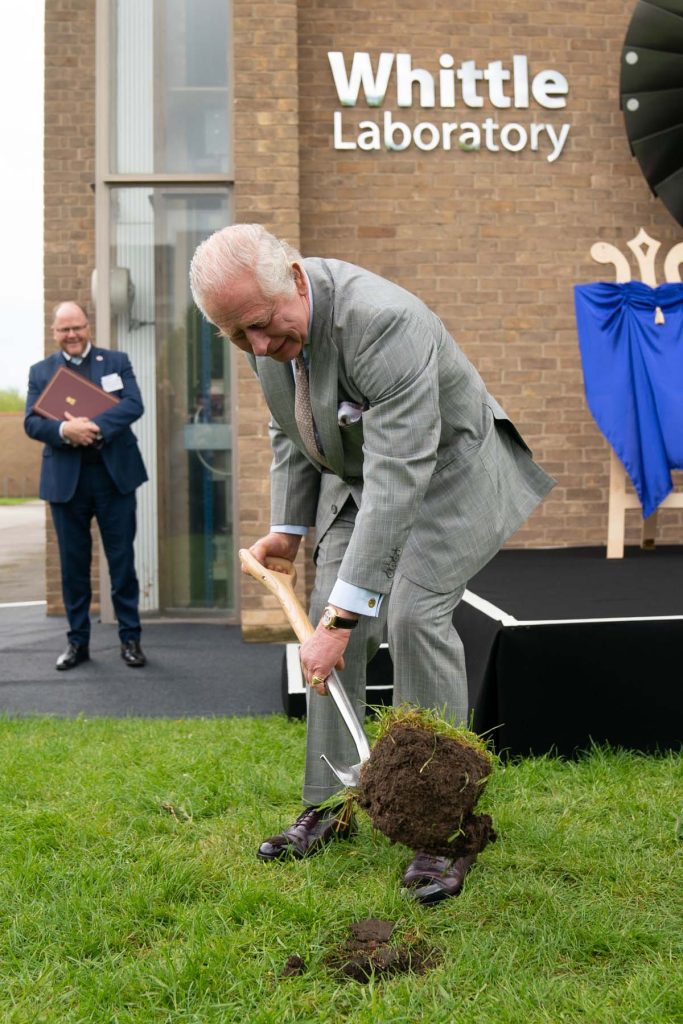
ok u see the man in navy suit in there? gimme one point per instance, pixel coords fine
(91, 468)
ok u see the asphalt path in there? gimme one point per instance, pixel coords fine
(193, 669)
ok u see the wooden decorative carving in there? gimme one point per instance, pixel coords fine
(645, 250)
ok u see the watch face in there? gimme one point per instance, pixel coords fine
(329, 618)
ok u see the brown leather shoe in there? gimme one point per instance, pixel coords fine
(311, 831)
(431, 879)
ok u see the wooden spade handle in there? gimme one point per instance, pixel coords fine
(279, 577)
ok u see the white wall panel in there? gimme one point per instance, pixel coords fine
(134, 87)
(134, 249)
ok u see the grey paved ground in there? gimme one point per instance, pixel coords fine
(194, 669)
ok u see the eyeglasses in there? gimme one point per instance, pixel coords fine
(68, 330)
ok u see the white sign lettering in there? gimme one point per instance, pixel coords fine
(467, 85)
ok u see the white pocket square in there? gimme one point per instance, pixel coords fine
(349, 413)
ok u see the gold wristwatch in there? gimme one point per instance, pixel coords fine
(332, 619)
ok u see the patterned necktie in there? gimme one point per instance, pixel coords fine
(303, 413)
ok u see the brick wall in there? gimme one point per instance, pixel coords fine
(69, 218)
(493, 242)
(266, 139)
(19, 458)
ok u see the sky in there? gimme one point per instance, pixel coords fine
(21, 194)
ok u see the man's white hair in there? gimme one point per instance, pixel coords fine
(240, 248)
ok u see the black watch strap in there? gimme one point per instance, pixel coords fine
(345, 623)
(339, 622)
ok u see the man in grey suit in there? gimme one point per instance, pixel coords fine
(413, 477)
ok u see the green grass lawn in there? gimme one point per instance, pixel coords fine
(130, 891)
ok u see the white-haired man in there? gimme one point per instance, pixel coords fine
(412, 475)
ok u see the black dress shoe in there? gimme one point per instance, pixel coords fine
(72, 656)
(431, 879)
(132, 654)
(312, 830)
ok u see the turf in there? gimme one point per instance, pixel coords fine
(130, 891)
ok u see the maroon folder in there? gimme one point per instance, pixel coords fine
(70, 392)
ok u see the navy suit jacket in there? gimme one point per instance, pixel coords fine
(121, 456)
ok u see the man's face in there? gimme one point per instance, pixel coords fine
(276, 327)
(71, 329)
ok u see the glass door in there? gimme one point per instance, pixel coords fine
(185, 368)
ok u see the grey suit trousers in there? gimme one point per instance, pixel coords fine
(427, 655)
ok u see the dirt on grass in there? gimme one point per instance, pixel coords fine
(419, 787)
(294, 965)
(368, 953)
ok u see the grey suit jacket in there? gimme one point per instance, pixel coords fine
(440, 475)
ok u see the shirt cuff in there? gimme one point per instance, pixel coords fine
(355, 599)
(61, 434)
(300, 531)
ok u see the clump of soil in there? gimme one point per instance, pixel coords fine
(367, 953)
(294, 965)
(421, 783)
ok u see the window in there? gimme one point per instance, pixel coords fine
(170, 99)
(163, 185)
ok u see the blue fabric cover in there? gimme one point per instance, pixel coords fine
(633, 376)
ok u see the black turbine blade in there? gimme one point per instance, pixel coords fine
(651, 112)
(660, 155)
(675, 6)
(671, 194)
(645, 70)
(656, 28)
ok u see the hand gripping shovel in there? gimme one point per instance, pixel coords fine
(279, 576)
